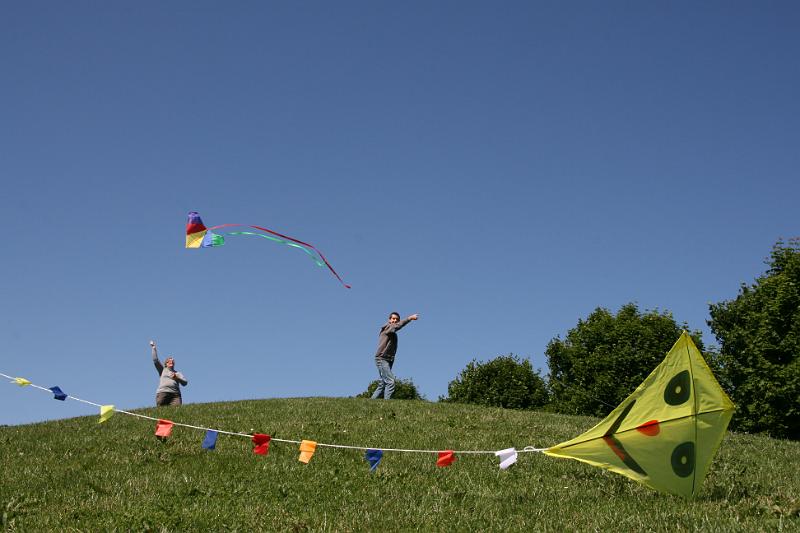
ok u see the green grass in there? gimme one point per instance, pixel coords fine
(78, 475)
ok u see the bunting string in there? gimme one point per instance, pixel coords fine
(526, 449)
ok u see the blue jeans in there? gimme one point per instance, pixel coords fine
(386, 382)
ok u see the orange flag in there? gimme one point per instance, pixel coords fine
(446, 458)
(307, 448)
(261, 442)
(164, 428)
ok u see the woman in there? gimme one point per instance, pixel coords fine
(168, 392)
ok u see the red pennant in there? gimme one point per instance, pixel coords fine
(261, 442)
(164, 428)
(446, 458)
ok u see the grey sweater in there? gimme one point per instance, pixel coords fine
(170, 379)
(387, 340)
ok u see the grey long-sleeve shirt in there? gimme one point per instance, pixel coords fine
(170, 380)
(387, 339)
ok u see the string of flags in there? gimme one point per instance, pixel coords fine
(664, 435)
(262, 441)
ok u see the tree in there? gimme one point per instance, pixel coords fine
(759, 337)
(505, 381)
(404, 389)
(605, 357)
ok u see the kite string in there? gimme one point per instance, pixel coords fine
(527, 449)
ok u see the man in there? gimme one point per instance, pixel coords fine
(384, 357)
(168, 392)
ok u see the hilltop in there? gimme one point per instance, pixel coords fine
(78, 474)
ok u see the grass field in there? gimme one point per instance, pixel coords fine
(78, 475)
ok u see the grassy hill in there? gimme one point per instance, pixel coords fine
(78, 475)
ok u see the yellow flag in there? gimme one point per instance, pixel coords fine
(666, 433)
(307, 448)
(21, 382)
(106, 412)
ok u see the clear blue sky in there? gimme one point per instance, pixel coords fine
(500, 168)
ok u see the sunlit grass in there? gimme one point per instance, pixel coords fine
(76, 474)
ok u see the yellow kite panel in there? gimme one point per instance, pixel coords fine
(194, 240)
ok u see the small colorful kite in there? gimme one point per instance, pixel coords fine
(665, 434)
(198, 236)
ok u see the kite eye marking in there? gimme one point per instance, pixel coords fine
(683, 459)
(678, 389)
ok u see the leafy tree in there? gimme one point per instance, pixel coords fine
(605, 357)
(759, 336)
(404, 389)
(505, 381)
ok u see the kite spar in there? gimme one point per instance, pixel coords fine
(198, 236)
(665, 434)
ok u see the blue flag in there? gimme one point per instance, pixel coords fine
(210, 442)
(373, 457)
(58, 394)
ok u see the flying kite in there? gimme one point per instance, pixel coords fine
(198, 236)
(665, 433)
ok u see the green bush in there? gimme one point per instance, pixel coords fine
(605, 357)
(759, 336)
(505, 381)
(404, 389)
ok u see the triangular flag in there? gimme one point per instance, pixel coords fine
(164, 428)
(446, 458)
(210, 441)
(507, 457)
(106, 412)
(307, 448)
(261, 442)
(373, 457)
(665, 434)
(21, 382)
(58, 394)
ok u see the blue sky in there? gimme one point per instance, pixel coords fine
(502, 169)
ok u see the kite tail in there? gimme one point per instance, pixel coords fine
(310, 253)
(290, 239)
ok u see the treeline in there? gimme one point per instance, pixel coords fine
(606, 356)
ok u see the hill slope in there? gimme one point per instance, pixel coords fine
(78, 474)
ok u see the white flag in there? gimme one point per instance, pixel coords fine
(507, 457)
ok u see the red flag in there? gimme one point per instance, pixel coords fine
(446, 458)
(164, 428)
(261, 442)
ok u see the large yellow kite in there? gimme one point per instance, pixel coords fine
(666, 433)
